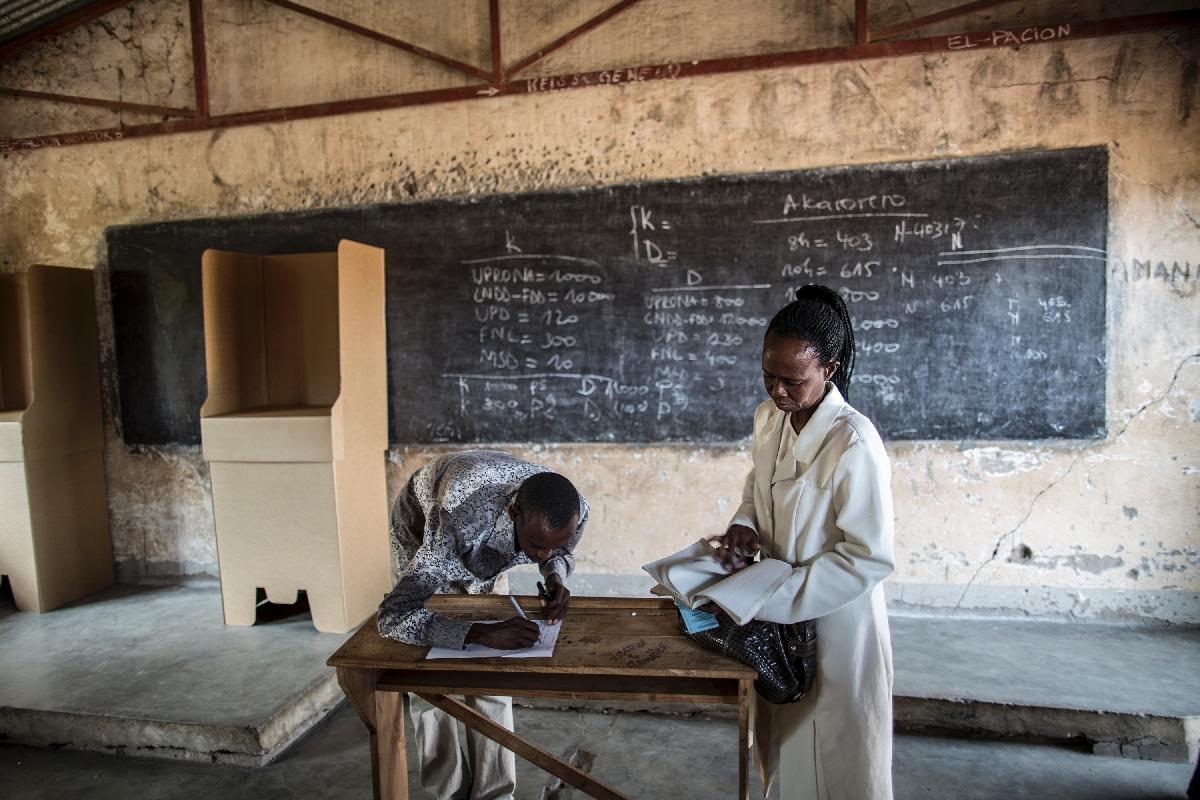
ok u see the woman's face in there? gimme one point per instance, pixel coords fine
(793, 374)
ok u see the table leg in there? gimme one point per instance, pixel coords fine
(359, 687)
(391, 762)
(744, 697)
(527, 750)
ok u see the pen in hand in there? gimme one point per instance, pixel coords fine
(521, 614)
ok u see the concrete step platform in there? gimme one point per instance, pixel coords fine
(1131, 691)
(153, 671)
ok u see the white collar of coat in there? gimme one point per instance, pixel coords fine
(809, 440)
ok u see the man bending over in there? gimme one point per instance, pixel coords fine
(460, 522)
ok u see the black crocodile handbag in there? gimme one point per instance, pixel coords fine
(784, 655)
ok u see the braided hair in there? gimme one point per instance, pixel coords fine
(819, 316)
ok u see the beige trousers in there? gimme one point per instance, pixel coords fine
(480, 770)
(450, 769)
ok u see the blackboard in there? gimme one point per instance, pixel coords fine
(635, 313)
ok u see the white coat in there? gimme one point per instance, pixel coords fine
(826, 510)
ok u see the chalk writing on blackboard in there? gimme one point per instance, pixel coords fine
(636, 313)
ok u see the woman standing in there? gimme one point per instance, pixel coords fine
(819, 498)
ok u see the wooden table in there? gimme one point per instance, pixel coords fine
(608, 649)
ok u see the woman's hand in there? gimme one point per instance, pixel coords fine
(736, 548)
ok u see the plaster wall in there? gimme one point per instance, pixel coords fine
(1085, 529)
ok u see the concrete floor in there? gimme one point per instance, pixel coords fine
(645, 755)
(134, 667)
(153, 670)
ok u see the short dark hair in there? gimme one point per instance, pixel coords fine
(550, 494)
(819, 316)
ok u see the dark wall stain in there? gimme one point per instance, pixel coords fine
(848, 88)
(1127, 72)
(1021, 554)
(1058, 87)
(1187, 89)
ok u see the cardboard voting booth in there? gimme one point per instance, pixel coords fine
(295, 430)
(54, 538)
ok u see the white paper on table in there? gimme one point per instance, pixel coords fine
(543, 649)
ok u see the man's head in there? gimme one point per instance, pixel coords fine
(545, 513)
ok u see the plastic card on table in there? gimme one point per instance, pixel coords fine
(696, 621)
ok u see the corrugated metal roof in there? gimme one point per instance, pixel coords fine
(19, 17)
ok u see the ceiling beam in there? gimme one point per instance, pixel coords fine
(497, 55)
(959, 42)
(929, 19)
(862, 34)
(111, 105)
(199, 56)
(382, 38)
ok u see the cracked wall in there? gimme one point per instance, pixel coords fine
(1070, 528)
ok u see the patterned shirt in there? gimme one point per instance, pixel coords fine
(451, 534)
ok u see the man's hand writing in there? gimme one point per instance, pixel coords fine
(511, 634)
